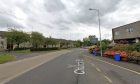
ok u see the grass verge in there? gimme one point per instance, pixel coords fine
(23, 51)
(6, 57)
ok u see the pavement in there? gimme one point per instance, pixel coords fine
(60, 70)
(12, 69)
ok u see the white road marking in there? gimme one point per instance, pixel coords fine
(98, 69)
(95, 67)
(109, 80)
(71, 66)
(93, 64)
(80, 67)
(118, 66)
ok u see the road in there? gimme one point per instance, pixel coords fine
(98, 70)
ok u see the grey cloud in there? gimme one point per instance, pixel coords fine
(54, 5)
(88, 17)
(110, 23)
(6, 21)
(60, 17)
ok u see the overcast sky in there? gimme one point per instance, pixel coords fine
(68, 19)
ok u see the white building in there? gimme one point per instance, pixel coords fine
(3, 41)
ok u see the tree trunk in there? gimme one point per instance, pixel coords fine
(18, 45)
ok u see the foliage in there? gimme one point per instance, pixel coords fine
(15, 49)
(136, 46)
(105, 44)
(86, 42)
(37, 39)
(78, 43)
(121, 47)
(44, 49)
(16, 37)
(135, 53)
(51, 41)
(23, 51)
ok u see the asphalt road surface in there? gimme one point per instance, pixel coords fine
(98, 70)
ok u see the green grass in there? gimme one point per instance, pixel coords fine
(23, 51)
(6, 57)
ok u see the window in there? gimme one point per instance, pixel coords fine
(117, 33)
(129, 30)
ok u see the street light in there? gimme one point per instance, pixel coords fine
(97, 10)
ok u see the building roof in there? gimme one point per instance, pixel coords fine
(126, 24)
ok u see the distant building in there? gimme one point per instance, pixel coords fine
(129, 33)
(93, 39)
(4, 44)
(3, 41)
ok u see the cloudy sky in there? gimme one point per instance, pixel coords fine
(68, 19)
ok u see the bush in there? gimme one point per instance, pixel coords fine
(44, 49)
(134, 53)
(125, 47)
(121, 47)
(136, 46)
(23, 51)
(20, 49)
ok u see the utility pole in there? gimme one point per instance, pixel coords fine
(99, 28)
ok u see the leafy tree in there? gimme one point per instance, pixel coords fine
(63, 43)
(51, 41)
(17, 37)
(105, 43)
(78, 43)
(86, 41)
(37, 39)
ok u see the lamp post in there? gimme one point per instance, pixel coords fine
(97, 10)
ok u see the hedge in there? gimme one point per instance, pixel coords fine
(44, 49)
(20, 49)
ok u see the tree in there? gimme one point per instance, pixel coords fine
(86, 41)
(51, 41)
(78, 43)
(37, 39)
(105, 43)
(17, 37)
(62, 43)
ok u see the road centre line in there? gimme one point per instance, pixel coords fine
(93, 64)
(95, 67)
(108, 79)
(98, 69)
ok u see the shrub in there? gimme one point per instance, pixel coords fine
(44, 49)
(135, 53)
(136, 46)
(23, 51)
(20, 49)
(124, 47)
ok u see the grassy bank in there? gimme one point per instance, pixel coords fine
(6, 57)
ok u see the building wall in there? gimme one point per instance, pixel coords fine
(127, 31)
(3, 43)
